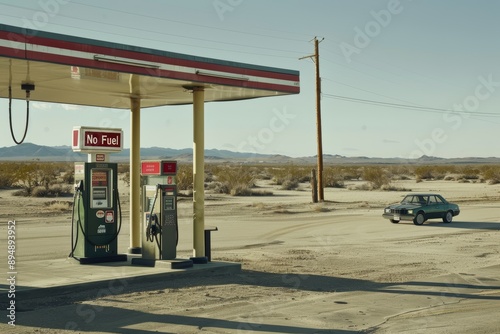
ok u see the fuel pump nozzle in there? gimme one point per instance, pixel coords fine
(153, 229)
(79, 186)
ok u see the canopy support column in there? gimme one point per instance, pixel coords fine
(198, 173)
(135, 166)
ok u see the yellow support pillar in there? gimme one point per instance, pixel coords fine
(135, 166)
(198, 173)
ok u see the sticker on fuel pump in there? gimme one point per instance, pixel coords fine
(110, 217)
(99, 214)
(101, 229)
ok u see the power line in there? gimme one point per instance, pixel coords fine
(114, 10)
(405, 106)
(135, 28)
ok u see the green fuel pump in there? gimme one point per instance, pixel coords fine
(96, 217)
(160, 231)
(96, 220)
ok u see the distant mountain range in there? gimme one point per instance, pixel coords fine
(29, 152)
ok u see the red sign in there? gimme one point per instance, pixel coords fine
(100, 157)
(159, 167)
(102, 139)
(97, 139)
(150, 168)
(169, 167)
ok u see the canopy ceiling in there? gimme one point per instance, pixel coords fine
(72, 70)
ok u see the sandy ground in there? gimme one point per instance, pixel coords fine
(307, 268)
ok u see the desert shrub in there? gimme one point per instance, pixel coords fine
(54, 190)
(125, 177)
(290, 173)
(376, 176)
(58, 190)
(8, 172)
(423, 173)
(491, 174)
(21, 192)
(400, 172)
(333, 178)
(59, 205)
(185, 177)
(262, 193)
(39, 191)
(69, 177)
(469, 172)
(218, 187)
(351, 172)
(390, 187)
(123, 168)
(232, 180)
(290, 184)
(241, 190)
(435, 172)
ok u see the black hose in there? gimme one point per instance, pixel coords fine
(27, 117)
(114, 236)
(73, 245)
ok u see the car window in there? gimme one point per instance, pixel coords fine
(439, 200)
(435, 200)
(407, 199)
(422, 200)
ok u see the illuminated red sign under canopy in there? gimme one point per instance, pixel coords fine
(97, 139)
(158, 167)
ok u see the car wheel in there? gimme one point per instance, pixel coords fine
(448, 217)
(419, 219)
(394, 221)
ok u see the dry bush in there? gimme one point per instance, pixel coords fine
(469, 172)
(123, 168)
(185, 177)
(241, 190)
(289, 184)
(59, 205)
(54, 190)
(333, 177)
(262, 192)
(434, 172)
(7, 174)
(376, 176)
(491, 173)
(36, 175)
(290, 173)
(233, 180)
(390, 187)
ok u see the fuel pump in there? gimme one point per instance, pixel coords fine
(96, 219)
(160, 232)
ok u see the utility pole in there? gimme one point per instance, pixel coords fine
(315, 58)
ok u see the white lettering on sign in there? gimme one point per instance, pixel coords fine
(97, 139)
(91, 140)
(102, 139)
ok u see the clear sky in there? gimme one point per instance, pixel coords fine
(399, 78)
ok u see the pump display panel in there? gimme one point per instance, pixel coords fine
(101, 188)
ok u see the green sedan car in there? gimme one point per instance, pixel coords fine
(421, 207)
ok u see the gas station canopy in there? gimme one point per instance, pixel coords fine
(50, 67)
(73, 70)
